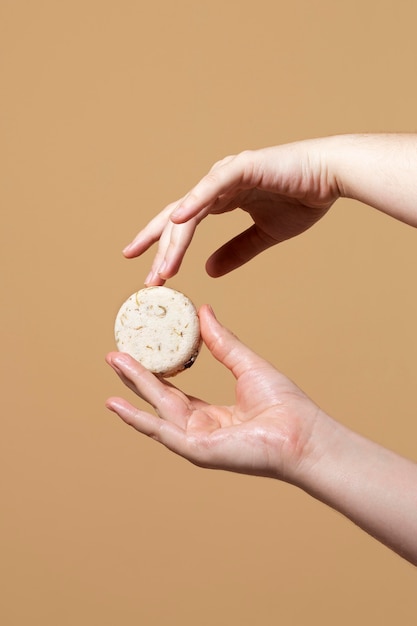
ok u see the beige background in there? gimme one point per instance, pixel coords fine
(109, 110)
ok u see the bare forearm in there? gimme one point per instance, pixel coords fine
(379, 170)
(372, 486)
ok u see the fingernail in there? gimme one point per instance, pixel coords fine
(178, 212)
(162, 268)
(120, 359)
(148, 278)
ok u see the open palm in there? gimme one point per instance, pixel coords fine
(264, 433)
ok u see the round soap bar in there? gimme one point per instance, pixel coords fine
(159, 327)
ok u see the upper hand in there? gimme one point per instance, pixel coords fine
(285, 189)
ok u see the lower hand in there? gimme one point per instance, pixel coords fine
(267, 432)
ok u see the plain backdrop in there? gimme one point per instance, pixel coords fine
(110, 110)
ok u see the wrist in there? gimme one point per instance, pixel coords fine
(318, 471)
(367, 483)
(340, 156)
(377, 170)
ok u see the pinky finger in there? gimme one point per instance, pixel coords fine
(170, 435)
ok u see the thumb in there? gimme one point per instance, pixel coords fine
(224, 345)
(238, 251)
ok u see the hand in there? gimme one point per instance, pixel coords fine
(266, 433)
(275, 430)
(285, 190)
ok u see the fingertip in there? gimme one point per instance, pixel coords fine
(109, 405)
(154, 279)
(109, 358)
(122, 362)
(206, 311)
(211, 266)
(127, 249)
(219, 263)
(113, 404)
(211, 328)
(121, 408)
(162, 270)
(134, 248)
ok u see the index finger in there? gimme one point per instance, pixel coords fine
(150, 234)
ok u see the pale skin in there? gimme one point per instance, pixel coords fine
(274, 429)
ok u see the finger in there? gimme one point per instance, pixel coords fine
(172, 247)
(173, 242)
(180, 236)
(154, 278)
(142, 421)
(176, 240)
(225, 346)
(153, 231)
(168, 402)
(238, 251)
(229, 175)
(169, 434)
(150, 234)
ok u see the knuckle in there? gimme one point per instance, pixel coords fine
(224, 161)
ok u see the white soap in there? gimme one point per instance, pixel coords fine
(159, 327)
